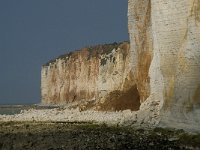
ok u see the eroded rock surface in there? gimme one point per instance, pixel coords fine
(91, 74)
(174, 28)
(159, 70)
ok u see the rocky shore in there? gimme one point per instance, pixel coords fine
(60, 114)
(90, 136)
(64, 128)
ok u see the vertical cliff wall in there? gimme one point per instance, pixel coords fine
(172, 31)
(160, 69)
(177, 38)
(96, 73)
(139, 25)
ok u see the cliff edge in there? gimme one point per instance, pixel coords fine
(157, 74)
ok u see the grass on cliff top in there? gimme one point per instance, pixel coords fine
(100, 49)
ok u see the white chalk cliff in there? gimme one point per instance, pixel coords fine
(93, 76)
(169, 31)
(161, 67)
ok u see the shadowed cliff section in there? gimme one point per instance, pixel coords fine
(122, 100)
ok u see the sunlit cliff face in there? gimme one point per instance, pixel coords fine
(168, 32)
(96, 74)
(157, 74)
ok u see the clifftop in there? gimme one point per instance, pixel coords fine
(92, 51)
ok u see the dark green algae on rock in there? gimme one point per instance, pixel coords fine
(90, 136)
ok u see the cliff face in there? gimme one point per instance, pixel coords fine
(160, 69)
(140, 31)
(94, 73)
(169, 32)
(177, 36)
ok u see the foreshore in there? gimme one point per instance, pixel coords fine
(87, 135)
(64, 128)
(73, 115)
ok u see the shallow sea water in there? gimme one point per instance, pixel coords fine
(16, 109)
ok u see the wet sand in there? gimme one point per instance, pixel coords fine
(90, 136)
